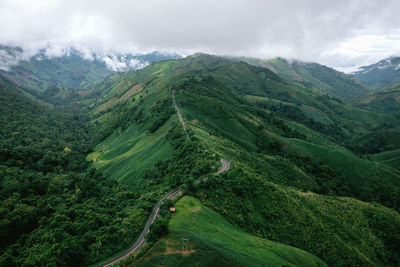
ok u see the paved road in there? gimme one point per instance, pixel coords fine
(179, 115)
(142, 238)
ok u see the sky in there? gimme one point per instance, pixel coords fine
(343, 34)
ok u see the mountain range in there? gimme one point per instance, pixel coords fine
(313, 178)
(320, 78)
(69, 68)
(381, 74)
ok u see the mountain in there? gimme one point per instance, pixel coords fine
(70, 68)
(288, 145)
(212, 240)
(381, 74)
(298, 188)
(49, 211)
(321, 78)
(383, 146)
(386, 100)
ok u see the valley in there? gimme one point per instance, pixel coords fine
(266, 162)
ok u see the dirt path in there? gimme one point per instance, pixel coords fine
(179, 115)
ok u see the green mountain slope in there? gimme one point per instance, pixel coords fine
(321, 78)
(296, 176)
(74, 70)
(386, 100)
(381, 74)
(382, 145)
(28, 127)
(213, 240)
(69, 71)
(277, 134)
(53, 212)
(341, 231)
(390, 157)
(210, 103)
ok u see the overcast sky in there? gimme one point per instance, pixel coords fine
(339, 33)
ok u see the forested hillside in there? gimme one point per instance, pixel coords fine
(279, 133)
(50, 212)
(318, 77)
(382, 74)
(70, 69)
(56, 211)
(301, 171)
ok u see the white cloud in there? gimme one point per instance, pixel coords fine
(338, 33)
(114, 63)
(137, 64)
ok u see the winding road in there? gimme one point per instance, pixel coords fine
(142, 238)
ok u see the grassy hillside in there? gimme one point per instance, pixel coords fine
(213, 240)
(386, 100)
(139, 140)
(284, 138)
(296, 175)
(211, 106)
(70, 71)
(391, 158)
(318, 77)
(340, 231)
(73, 70)
(382, 145)
(127, 156)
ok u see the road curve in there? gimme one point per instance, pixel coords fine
(140, 241)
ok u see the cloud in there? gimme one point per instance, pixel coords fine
(8, 60)
(121, 63)
(311, 30)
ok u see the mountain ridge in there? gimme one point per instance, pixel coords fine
(384, 73)
(70, 68)
(289, 146)
(324, 79)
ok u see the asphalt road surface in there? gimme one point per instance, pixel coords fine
(142, 238)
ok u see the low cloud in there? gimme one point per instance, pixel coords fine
(121, 63)
(311, 30)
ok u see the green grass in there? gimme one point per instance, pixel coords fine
(391, 158)
(340, 231)
(359, 173)
(321, 78)
(128, 155)
(212, 239)
(220, 101)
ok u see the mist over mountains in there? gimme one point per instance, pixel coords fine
(117, 61)
(68, 67)
(199, 133)
(382, 74)
(86, 151)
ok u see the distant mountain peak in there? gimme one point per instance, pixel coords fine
(114, 61)
(69, 67)
(381, 74)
